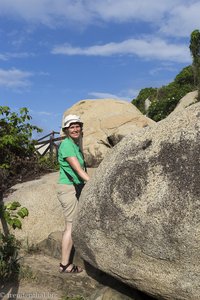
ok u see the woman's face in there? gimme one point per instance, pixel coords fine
(74, 131)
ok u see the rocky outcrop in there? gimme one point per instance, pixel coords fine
(101, 119)
(138, 218)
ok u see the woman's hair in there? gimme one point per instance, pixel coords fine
(65, 131)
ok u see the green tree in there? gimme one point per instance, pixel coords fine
(186, 76)
(16, 145)
(15, 135)
(167, 99)
(145, 93)
(16, 157)
(164, 99)
(195, 52)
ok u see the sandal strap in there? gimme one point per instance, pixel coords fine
(74, 269)
(64, 267)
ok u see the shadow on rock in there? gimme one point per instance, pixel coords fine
(113, 283)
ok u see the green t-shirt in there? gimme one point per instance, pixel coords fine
(69, 149)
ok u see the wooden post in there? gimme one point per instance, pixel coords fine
(51, 142)
(51, 145)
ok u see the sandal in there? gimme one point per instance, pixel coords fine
(74, 269)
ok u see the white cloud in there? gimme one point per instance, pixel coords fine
(8, 55)
(44, 113)
(143, 48)
(48, 12)
(100, 95)
(174, 17)
(14, 78)
(129, 10)
(182, 20)
(127, 95)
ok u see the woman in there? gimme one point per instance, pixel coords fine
(71, 181)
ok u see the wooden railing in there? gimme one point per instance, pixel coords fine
(51, 142)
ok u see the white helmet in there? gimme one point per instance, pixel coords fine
(68, 120)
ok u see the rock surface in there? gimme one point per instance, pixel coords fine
(45, 212)
(138, 218)
(101, 119)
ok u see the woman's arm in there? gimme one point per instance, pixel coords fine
(74, 163)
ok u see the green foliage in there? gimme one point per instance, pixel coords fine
(10, 214)
(49, 163)
(9, 265)
(157, 110)
(195, 45)
(165, 99)
(139, 102)
(186, 76)
(15, 135)
(195, 52)
(18, 162)
(17, 155)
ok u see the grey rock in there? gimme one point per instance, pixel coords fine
(138, 218)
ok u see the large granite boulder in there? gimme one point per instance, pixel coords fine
(139, 216)
(101, 119)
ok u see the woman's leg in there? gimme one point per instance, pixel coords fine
(66, 244)
(69, 202)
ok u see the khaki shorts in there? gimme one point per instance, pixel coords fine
(67, 196)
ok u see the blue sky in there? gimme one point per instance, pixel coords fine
(54, 53)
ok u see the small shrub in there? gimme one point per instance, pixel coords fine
(17, 156)
(48, 163)
(10, 215)
(12, 212)
(9, 265)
